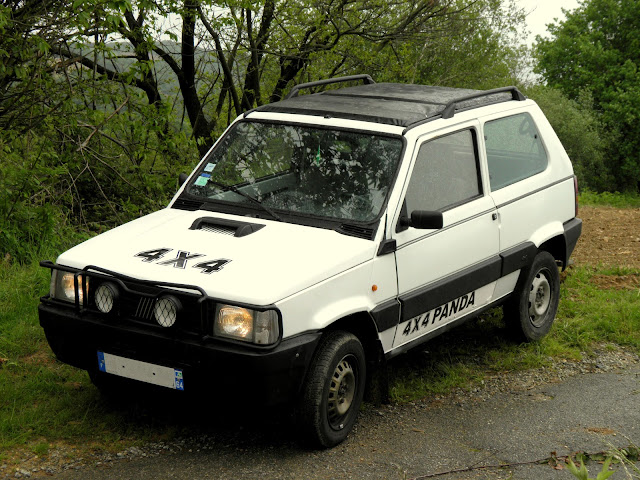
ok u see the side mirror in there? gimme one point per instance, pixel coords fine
(182, 178)
(423, 219)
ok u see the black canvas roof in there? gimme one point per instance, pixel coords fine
(389, 103)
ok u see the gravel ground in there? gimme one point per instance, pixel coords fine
(62, 458)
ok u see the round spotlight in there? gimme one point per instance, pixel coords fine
(105, 297)
(166, 311)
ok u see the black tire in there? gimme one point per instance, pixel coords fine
(333, 390)
(532, 308)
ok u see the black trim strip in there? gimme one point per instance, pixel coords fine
(518, 257)
(386, 315)
(427, 298)
(446, 228)
(534, 191)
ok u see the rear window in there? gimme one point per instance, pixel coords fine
(514, 150)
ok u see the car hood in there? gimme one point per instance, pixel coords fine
(273, 261)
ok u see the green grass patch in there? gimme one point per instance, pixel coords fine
(611, 199)
(44, 402)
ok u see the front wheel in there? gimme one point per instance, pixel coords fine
(533, 306)
(333, 390)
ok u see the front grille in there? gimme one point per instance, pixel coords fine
(144, 310)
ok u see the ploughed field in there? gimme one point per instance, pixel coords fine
(610, 238)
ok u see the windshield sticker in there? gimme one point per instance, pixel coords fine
(202, 180)
(209, 168)
(181, 260)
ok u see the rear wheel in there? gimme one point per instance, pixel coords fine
(532, 309)
(333, 390)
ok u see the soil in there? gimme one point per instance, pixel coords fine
(610, 238)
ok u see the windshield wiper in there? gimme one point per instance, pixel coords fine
(254, 200)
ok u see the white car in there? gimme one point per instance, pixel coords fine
(318, 238)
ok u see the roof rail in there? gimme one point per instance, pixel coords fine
(450, 108)
(351, 78)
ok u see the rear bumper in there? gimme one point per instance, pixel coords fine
(572, 231)
(272, 375)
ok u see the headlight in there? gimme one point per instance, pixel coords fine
(63, 286)
(247, 325)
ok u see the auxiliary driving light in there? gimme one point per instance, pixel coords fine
(166, 311)
(105, 297)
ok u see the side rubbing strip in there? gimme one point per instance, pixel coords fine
(518, 257)
(386, 315)
(427, 298)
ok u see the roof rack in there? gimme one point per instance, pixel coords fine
(351, 78)
(450, 108)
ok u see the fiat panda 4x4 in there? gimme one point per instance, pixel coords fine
(319, 237)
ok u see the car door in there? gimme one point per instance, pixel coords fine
(446, 273)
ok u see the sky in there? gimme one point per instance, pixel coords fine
(543, 12)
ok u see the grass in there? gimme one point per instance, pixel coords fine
(42, 401)
(615, 199)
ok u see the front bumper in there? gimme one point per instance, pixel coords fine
(273, 375)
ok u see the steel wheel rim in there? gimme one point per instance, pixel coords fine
(539, 299)
(342, 391)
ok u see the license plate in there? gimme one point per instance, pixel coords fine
(141, 371)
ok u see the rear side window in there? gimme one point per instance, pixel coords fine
(445, 174)
(514, 150)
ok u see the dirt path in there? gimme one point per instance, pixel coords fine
(610, 237)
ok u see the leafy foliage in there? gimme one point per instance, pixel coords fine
(597, 49)
(613, 199)
(583, 474)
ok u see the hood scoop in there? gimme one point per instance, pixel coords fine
(225, 227)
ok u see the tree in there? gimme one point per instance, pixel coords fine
(234, 56)
(597, 49)
(27, 30)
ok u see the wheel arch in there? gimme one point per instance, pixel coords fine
(557, 247)
(362, 325)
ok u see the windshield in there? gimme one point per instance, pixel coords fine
(297, 169)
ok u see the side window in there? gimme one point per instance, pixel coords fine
(446, 173)
(514, 150)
